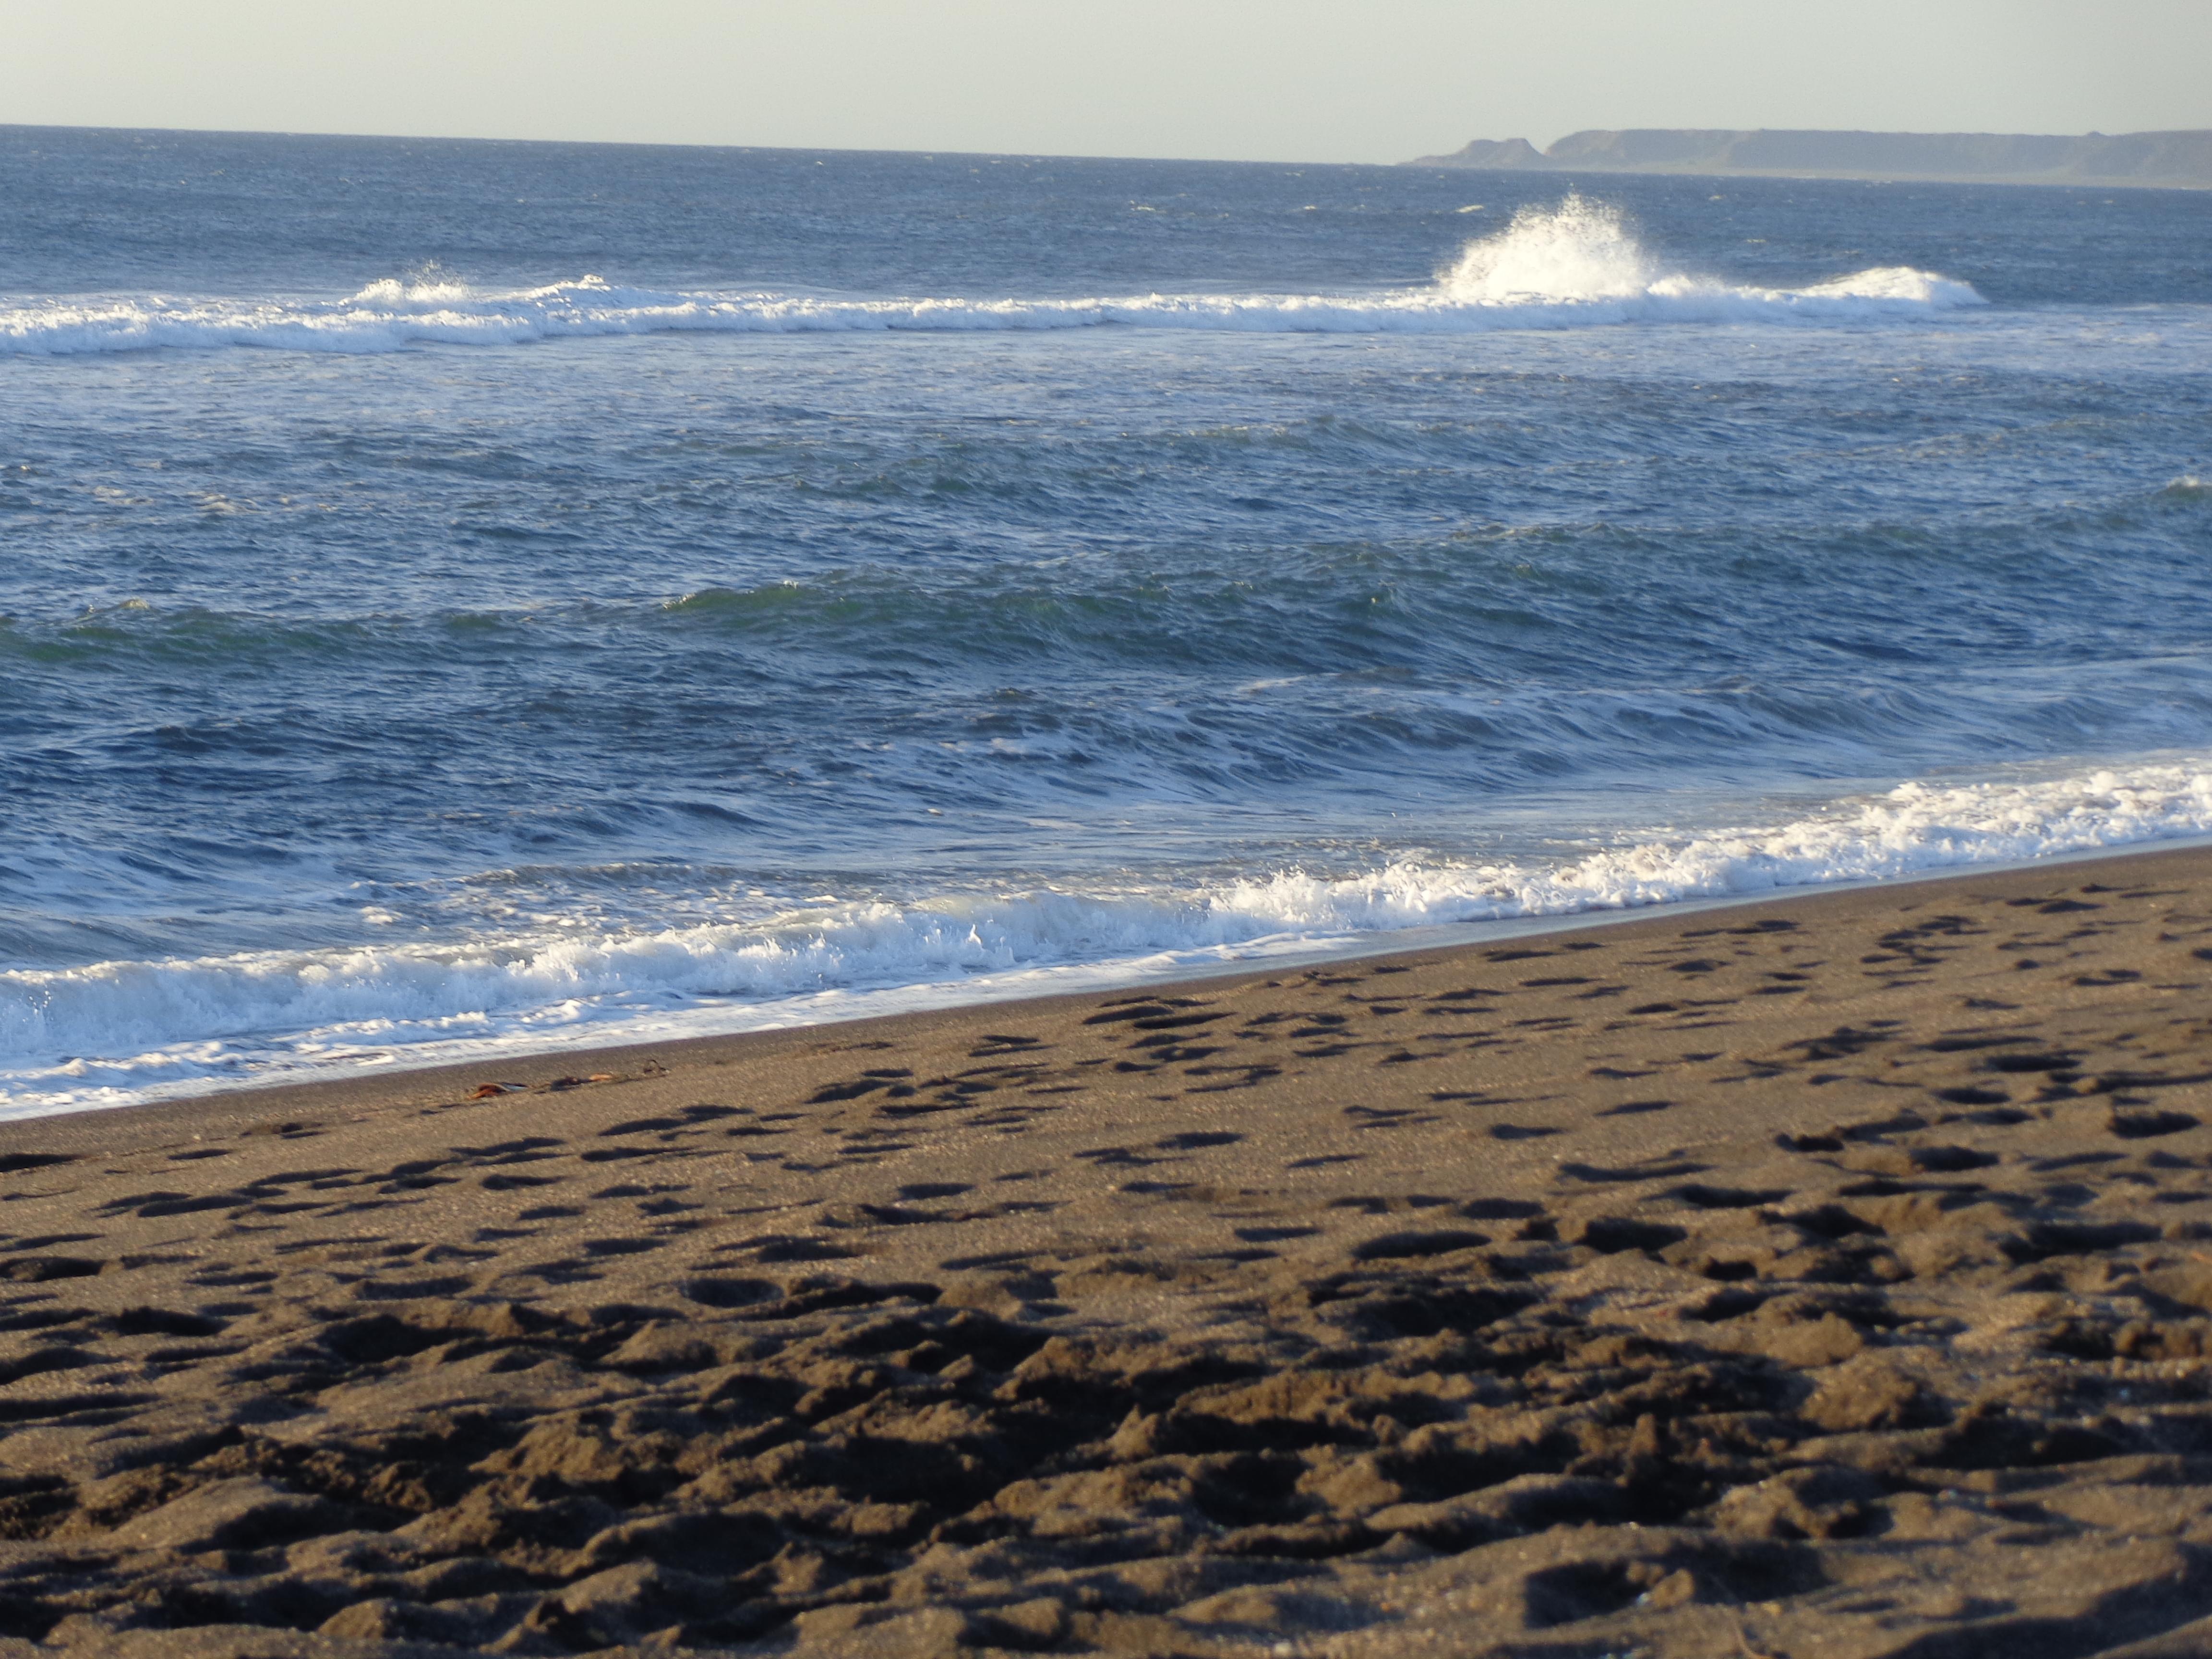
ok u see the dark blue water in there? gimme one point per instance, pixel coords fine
(462, 595)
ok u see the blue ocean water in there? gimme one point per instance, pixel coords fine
(462, 598)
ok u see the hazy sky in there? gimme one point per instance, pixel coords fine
(1304, 80)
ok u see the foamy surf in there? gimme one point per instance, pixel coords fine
(119, 1032)
(1570, 266)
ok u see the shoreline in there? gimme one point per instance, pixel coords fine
(1750, 1280)
(1421, 942)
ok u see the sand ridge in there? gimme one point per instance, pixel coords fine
(1827, 1276)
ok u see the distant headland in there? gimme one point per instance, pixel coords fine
(2168, 160)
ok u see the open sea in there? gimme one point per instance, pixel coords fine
(458, 599)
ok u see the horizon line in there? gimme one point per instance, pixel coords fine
(1025, 155)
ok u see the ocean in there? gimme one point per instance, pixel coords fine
(463, 599)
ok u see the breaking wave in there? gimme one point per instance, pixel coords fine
(121, 1031)
(1573, 265)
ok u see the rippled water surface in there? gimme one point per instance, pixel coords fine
(461, 597)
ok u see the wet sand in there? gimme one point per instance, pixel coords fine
(1826, 1277)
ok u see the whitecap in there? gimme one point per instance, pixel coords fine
(1576, 264)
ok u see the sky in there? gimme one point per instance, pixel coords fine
(1261, 80)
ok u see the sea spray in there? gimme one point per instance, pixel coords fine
(1578, 249)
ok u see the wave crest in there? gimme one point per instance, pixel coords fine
(120, 1031)
(1572, 266)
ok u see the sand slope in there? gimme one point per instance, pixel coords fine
(1825, 1277)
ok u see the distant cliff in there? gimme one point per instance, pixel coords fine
(2169, 159)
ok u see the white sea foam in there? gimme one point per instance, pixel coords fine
(126, 1030)
(1570, 266)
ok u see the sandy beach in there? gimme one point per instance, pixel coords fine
(1828, 1276)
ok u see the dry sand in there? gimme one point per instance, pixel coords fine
(1824, 1277)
